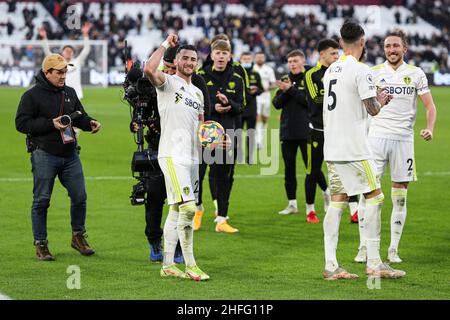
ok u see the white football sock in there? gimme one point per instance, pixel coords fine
(220, 219)
(361, 222)
(185, 230)
(259, 128)
(309, 208)
(372, 231)
(331, 233)
(326, 199)
(293, 203)
(353, 206)
(398, 215)
(170, 235)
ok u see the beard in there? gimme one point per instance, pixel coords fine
(394, 59)
(187, 71)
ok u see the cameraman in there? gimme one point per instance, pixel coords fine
(43, 115)
(154, 185)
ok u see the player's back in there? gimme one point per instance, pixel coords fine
(346, 83)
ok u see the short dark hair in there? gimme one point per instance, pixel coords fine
(351, 32)
(324, 44)
(186, 47)
(295, 53)
(246, 53)
(399, 33)
(68, 46)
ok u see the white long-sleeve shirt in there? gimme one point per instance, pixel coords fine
(73, 78)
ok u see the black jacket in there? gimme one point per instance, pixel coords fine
(200, 83)
(294, 115)
(314, 94)
(255, 80)
(232, 86)
(38, 107)
(237, 68)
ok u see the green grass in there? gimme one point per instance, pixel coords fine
(272, 257)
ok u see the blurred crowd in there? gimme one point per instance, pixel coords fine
(264, 26)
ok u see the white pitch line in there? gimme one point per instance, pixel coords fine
(238, 176)
(4, 297)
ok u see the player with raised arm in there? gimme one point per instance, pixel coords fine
(73, 78)
(391, 132)
(350, 95)
(180, 105)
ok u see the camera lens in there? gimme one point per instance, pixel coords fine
(65, 120)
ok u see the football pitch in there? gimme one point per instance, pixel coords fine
(272, 257)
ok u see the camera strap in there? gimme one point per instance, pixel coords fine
(67, 134)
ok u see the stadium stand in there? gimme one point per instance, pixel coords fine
(267, 26)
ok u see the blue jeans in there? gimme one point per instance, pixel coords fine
(45, 168)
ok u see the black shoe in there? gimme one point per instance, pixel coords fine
(42, 252)
(80, 244)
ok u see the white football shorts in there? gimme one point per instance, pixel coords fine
(352, 177)
(263, 104)
(181, 180)
(400, 156)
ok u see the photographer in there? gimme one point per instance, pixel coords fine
(43, 114)
(153, 181)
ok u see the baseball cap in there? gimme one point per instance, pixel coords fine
(54, 61)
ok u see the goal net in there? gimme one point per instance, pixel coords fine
(20, 60)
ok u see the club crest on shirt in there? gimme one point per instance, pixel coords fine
(407, 80)
(231, 84)
(369, 78)
(178, 97)
(186, 190)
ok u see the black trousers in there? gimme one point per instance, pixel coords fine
(201, 176)
(289, 150)
(220, 180)
(314, 174)
(156, 196)
(250, 123)
(222, 174)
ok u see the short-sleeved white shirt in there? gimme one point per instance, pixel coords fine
(396, 120)
(179, 106)
(346, 82)
(267, 77)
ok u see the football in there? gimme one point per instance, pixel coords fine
(210, 134)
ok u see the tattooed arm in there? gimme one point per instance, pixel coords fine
(374, 104)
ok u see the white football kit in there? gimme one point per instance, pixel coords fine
(391, 132)
(346, 149)
(264, 101)
(179, 106)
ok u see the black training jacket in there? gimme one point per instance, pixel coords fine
(294, 122)
(232, 86)
(38, 107)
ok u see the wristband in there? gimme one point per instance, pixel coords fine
(165, 44)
